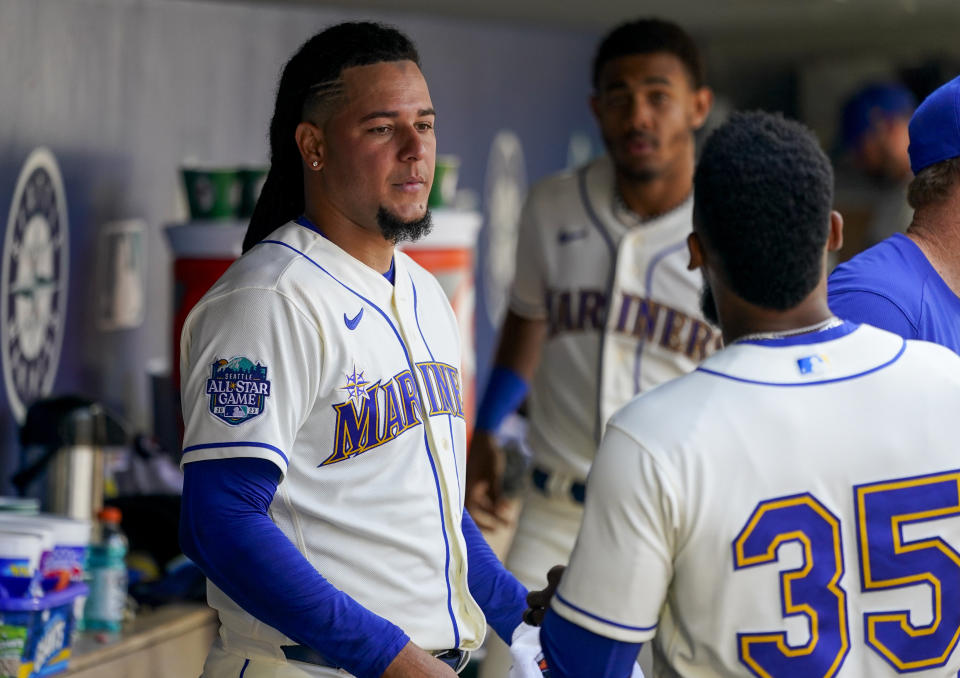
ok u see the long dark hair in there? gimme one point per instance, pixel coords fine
(308, 79)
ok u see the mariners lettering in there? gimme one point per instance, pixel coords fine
(642, 318)
(380, 412)
(443, 389)
(572, 311)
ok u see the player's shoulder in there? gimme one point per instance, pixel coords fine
(264, 272)
(558, 192)
(266, 264)
(668, 410)
(939, 361)
(889, 268)
(552, 185)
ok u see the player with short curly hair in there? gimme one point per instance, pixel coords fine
(769, 513)
(770, 257)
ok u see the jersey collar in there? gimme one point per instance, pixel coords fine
(838, 354)
(390, 275)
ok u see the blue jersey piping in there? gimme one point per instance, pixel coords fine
(209, 446)
(449, 416)
(602, 619)
(788, 384)
(436, 476)
(648, 283)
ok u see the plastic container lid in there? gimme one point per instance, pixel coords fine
(29, 524)
(66, 531)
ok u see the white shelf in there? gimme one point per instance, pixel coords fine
(207, 239)
(452, 229)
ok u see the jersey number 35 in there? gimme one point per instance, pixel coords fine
(886, 559)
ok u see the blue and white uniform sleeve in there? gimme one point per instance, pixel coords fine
(502, 598)
(250, 368)
(622, 564)
(225, 530)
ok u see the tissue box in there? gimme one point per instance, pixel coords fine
(36, 633)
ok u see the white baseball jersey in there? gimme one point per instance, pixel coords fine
(303, 355)
(622, 309)
(789, 510)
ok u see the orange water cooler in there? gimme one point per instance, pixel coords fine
(202, 251)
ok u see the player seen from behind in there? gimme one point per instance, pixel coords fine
(790, 508)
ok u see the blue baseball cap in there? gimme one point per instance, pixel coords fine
(935, 127)
(887, 99)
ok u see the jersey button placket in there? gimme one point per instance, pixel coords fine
(404, 310)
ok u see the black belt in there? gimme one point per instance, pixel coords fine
(578, 490)
(455, 659)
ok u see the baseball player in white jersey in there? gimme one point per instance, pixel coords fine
(790, 508)
(602, 305)
(325, 445)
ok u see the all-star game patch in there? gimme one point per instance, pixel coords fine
(238, 390)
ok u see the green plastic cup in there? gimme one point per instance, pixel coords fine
(444, 188)
(212, 193)
(251, 183)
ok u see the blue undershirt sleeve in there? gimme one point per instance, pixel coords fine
(225, 530)
(861, 306)
(572, 651)
(504, 394)
(502, 598)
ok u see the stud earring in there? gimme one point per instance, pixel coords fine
(316, 163)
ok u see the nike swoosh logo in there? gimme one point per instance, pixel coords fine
(352, 323)
(570, 236)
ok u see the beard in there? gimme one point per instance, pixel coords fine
(396, 230)
(708, 305)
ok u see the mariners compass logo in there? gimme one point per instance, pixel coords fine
(238, 389)
(355, 387)
(33, 282)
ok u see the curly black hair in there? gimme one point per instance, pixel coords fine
(645, 36)
(763, 192)
(311, 80)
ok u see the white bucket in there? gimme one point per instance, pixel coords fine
(65, 542)
(71, 540)
(20, 552)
